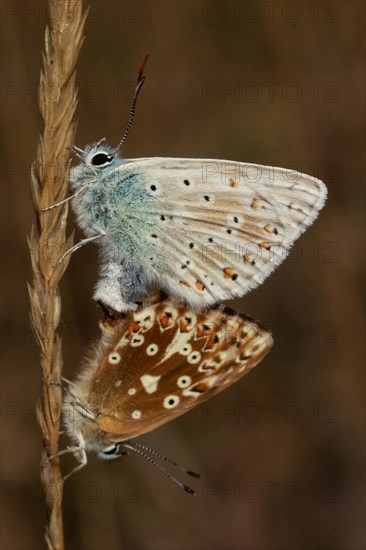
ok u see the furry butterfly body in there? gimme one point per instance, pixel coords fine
(152, 367)
(201, 230)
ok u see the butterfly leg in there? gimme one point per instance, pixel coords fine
(64, 201)
(119, 287)
(82, 463)
(77, 246)
(79, 453)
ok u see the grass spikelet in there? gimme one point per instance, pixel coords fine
(47, 239)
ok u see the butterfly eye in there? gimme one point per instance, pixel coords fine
(101, 159)
(112, 453)
(110, 450)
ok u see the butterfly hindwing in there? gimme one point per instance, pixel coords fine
(165, 360)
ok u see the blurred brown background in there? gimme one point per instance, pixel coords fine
(282, 451)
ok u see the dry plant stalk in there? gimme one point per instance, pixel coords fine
(47, 241)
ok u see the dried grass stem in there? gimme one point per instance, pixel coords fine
(48, 240)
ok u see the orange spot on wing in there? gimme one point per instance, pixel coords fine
(233, 182)
(199, 388)
(183, 283)
(248, 259)
(228, 272)
(204, 331)
(265, 245)
(134, 327)
(183, 326)
(255, 203)
(200, 285)
(210, 343)
(165, 320)
(209, 368)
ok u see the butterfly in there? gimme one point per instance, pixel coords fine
(201, 230)
(153, 366)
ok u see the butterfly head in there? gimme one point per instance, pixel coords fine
(100, 156)
(97, 157)
(81, 424)
(112, 452)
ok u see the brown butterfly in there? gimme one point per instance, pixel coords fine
(153, 366)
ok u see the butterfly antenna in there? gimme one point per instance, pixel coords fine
(160, 468)
(139, 84)
(169, 460)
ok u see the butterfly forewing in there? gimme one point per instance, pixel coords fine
(215, 229)
(165, 360)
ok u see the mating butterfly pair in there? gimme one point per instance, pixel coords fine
(200, 230)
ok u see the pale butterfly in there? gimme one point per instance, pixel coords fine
(151, 367)
(201, 230)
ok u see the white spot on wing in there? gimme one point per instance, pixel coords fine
(172, 311)
(150, 383)
(177, 345)
(171, 401)
(136, 415)
(194, 357)
(190, 393)
(146, 318)
(124, 340)
(114, 357)
(211, 380)
(186, 349)
(152, 349)
(207, 366)
(184, 381)
(137, 340)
